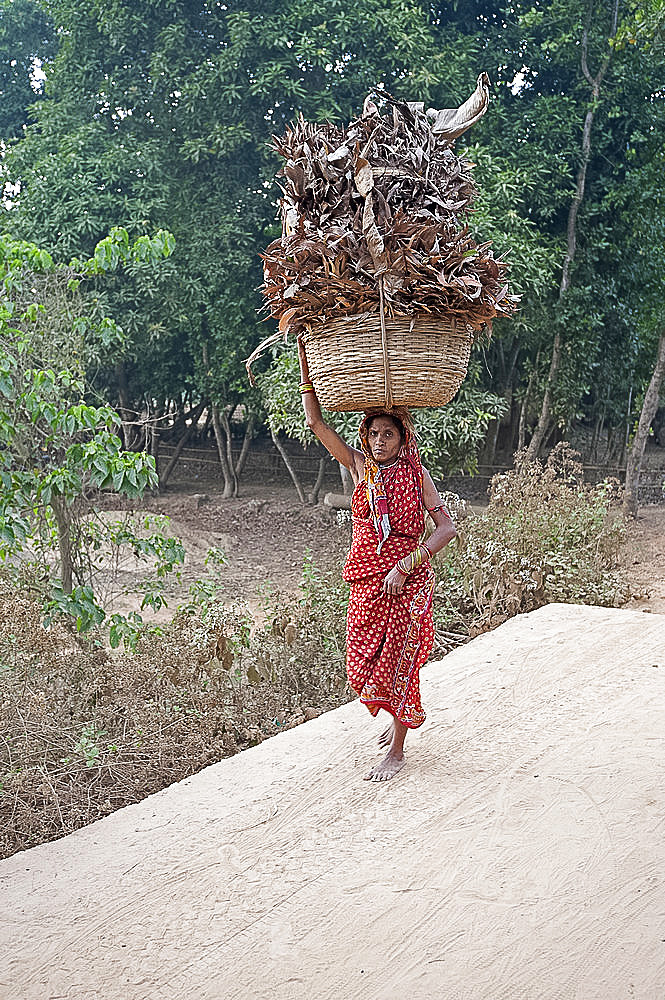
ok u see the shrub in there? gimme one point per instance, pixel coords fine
(545, 536)
(87, 729)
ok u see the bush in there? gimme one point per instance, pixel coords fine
(87, 730)
(546, 536)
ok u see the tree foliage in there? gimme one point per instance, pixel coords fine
(27, 38)
(157, 115)
(57, 448)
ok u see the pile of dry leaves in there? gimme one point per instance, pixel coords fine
(374, 216)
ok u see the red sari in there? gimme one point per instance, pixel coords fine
(389, 636)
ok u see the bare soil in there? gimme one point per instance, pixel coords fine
(644, 560)
(266, 535)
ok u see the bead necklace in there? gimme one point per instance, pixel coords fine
(388, 472)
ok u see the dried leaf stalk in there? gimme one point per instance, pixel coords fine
(387, 198)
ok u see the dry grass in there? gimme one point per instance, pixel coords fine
(86, 731)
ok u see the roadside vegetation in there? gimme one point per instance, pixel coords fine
(88, 728)
(138, 193)
(545, 536)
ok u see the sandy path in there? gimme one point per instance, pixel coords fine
(520, 855)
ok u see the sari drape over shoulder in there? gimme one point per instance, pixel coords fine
(389, 636)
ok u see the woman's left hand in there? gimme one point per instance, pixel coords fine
(394, 582)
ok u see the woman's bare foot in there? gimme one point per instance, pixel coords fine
(394, 759)
(388, 767)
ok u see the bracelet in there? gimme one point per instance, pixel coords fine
(306, 387)
(408, 563)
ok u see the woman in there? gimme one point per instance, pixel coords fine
(389, 621)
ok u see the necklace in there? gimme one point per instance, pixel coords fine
(389, 475)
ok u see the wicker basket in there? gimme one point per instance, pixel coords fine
(415, 361)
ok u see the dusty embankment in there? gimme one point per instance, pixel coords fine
(518, 854)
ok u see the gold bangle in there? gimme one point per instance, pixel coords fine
(405, 564)
(413, 560)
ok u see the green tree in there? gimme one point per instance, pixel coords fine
(530, 152)
(56, 448)
(27, 39)
(158, 115)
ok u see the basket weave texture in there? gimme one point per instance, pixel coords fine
(414, 361)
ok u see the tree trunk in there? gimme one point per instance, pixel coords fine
(226, 423)
(189, 430)
(489, 448)
(320, 475)
(223, 451)
(544, 420)
(231, 470)
(626, 437)
(616, 447)
(246, 445)
(207, 425)
(64, 525)
(153, 447)
(636, 453)
(287, 462)
(595, 437)
(347, 480)
(524, 409)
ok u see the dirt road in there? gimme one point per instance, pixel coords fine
(644, 560)
(518, 856)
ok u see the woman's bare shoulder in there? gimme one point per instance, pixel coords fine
(430, 492)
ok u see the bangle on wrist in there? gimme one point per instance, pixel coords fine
(306, 387)
(414, 559)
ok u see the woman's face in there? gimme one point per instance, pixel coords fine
(384, 439)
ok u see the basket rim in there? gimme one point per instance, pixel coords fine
(373, 319)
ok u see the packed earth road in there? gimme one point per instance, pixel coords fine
(519, 853)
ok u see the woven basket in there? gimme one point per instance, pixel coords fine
(420, 361)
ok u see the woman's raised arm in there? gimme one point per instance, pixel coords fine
(329, 438)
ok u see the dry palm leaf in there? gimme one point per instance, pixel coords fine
(383, 202)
